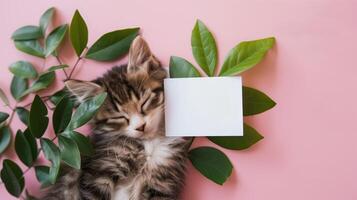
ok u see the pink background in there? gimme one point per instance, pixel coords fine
(309, 150)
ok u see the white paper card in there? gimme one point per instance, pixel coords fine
(205, 106)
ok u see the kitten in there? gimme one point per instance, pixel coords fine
(133, 160)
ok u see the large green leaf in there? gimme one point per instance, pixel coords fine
(181, 68)
(43, 81)
(62, 115)
(46, 18)
(212, 163)
(245, 56)
(3, 117)
(26, 147)
(38, 120)
(69, 151)
(78, 33)
(53, 154)
(5, 138)
(23, 114)
(23, 69)
(86, 111)
(250, 137)
(4, 98)
(58, 96)
(112, 45)
(42, 175)
(204, 48)
(32, 47)
(18, 87)
(55, 38)
(255, 101)
(12, 177)
(27, 33)
(83, 142)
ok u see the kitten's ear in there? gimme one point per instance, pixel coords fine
(83, 89)
(139, 55)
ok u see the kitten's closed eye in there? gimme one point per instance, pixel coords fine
(118, 119)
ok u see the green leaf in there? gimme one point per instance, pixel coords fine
(5, 138)
(4, 98)
(12, 177)
(27, 33)
(255, 101)
(52, 153)
(23, 114)
(212, 163)
(23, 69)
(56, 67)
(38, 120)
(245, 56)
(55, 38)
(204, 48)
(32, 47)
(112, 45)
(3, 117)
(62, 115)
(26, 147)
(18, 87)
(78, 33)
(83, 142)
(42, 175)
(86, 111)
(43, 81)
(250, 137)
(57, 96)
(181, 68)
(46, 19)
(69, 152)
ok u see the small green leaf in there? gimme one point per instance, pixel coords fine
(69, 152)
(18, 87)
(204, 48)
(245, 56)
(181, 68)
(4, 98)
(56, 67)
(62, 115)
(12, 177)
(27, 33)
(26, 147)
(212, 163)
(55, 38)
(5, 138)
(78, 33)
(38, 120)
(3, 117)
(86, 111)
(57, 96)
(23, 114)
(46, 19)
(23, 69)
(112, 45)
(83, 142)
(250, 137)
(53, 154)
(43, 81)
(42, 175)
(255, 101)
(32, 47)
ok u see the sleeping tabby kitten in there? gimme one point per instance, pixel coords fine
(132, 160)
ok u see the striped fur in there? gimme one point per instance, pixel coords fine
(132, 160)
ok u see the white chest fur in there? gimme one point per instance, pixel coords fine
(157, 151)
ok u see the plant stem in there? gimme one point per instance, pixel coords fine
(60, 62)
(74, 68)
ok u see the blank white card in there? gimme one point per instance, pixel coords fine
(203, 106)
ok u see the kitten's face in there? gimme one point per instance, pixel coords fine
(135, 101)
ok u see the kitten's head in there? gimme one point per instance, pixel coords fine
(135, 101)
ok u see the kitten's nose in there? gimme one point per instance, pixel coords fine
(141, 128)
